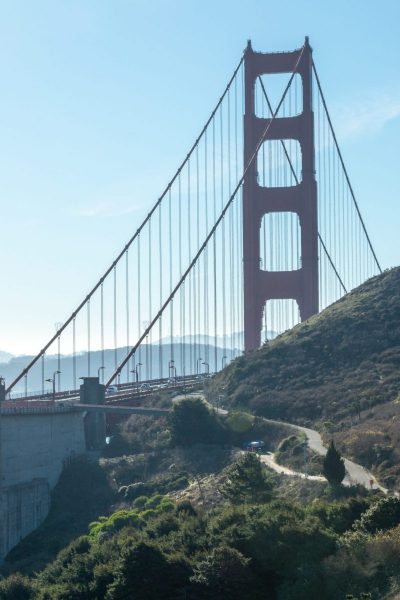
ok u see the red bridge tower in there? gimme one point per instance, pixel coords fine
(301, 284)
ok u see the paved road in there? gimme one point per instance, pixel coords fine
(355, 474)
(269, 460)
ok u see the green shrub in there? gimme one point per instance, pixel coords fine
(384, 514)
(140, 502)
(154, 501)
(118, 520)
(192, 422)
(16, 587)
(246, 481)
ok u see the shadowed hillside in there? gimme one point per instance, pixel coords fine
(331, 367)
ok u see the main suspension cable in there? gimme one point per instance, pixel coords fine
(343, 165)
(212, 231)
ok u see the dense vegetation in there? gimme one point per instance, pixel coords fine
(125, 528)
(146, 457)
(254, 546)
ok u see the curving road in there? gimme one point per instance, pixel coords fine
(355, 474)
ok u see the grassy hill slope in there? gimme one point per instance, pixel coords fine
(338, 363)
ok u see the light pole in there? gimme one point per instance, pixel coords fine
(171, 366)
(53, 381)
(223, 362)
(197, 365)
(133, 363)
(135, 370)
(98, 371)
(208, 367)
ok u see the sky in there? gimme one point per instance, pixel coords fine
(100, 100)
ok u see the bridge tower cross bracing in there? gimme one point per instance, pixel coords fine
(301, 199)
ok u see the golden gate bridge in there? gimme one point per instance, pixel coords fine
(258, 229)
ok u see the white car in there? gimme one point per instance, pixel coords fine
(112, 389)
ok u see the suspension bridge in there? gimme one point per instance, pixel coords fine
(258, 229)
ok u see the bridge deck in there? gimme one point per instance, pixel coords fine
(122, 410)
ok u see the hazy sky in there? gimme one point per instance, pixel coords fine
(100, 101)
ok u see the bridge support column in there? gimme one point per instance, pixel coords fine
(302, 284)
(93, 392)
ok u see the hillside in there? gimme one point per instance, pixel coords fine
(344, 360)
(330, 372)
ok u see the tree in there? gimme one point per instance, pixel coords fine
(192, 422)
(223, 574)
(333, 467)
(246, 481)
(16, 587)
(145, 572)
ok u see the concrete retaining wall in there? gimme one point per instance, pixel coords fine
(34, 449)
(35, 446)
(22, 508)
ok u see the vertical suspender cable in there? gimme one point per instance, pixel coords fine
(127, 308)
(223, 234)
(171, 354)
(160, 344)
(139, 288)
(205, 284)
(115, 317)
(74, 353)
(196, 278)
(42, 365)
(214, 253)
(189, 282)
(102, 329)
(88, 337)
(149, 348)
(58, 362)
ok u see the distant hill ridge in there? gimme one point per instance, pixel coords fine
(5, 356)
(347, 356)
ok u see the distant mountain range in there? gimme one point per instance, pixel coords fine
(152, 361)
(227, 341)
(190, 356)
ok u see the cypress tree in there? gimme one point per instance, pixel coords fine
(333, 468)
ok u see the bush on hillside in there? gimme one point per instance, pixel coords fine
(224, 573)
(384, 514)
(246, 481)
(192, 422)
(16, 587)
